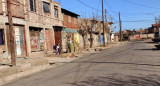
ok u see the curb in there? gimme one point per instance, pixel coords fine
(13, 77)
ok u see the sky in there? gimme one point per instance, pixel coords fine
(135, 14)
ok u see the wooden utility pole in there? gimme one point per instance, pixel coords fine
(103, 26)
(120, 27)
(156, 20)
(13, 56)
(106, 24)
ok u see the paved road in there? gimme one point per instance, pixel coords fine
(136, 63)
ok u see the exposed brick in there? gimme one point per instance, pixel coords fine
(70, 24)
(43, 18)
(1, 12)
(17, 8)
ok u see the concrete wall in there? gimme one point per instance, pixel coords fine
(116, 39)
(112, 37)
(142, 36)
(152, 35)
(95, 40)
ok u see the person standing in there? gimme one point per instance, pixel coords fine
(57, 49)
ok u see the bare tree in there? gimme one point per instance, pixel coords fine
(83, 30)
(94, 24)
(86, 26)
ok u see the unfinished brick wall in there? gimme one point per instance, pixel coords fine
(1, 12)
(70, 24)
(17, 8)
(39, 16)
(75, 25)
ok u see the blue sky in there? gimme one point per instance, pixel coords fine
(135, 14)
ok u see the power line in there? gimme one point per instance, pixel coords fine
(140, 4)
(110, 7)
(88, 5)
(147, 13)
(98, 3)
(140, 21)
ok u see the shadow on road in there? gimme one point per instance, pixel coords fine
(150, 42)
(152, 49)
(102, 62)
(120, 80)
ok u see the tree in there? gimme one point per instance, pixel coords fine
(86, 26)
(82, 25)
(94, 24)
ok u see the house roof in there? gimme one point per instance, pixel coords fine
(155, 25)
(69, 12)
(140, 31)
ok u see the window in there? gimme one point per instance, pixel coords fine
(46, 7)
(32, 5)
(56, 11)
(1, 37)
(69, 19)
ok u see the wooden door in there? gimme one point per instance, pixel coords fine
(49, 39)
(58, 38)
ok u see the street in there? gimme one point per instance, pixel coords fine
(136, 63)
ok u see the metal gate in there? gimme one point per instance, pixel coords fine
(19, 41)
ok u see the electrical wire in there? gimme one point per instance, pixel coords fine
(140, 21)
(88, 5)
(140, 4)
(110, 7)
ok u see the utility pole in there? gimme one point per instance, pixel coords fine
(103, 26)
(156, 19)
(106, 24)
(120, 27)
(11, 31)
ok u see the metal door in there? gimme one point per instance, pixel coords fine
(19, 41)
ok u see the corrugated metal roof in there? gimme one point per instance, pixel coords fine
(67, 30)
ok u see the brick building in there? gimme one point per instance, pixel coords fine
(70, 36)
(35, 22)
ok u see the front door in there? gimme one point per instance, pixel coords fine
(20, 41)
(58, 38)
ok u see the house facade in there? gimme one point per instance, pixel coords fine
(35, 22)
(70, 36)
